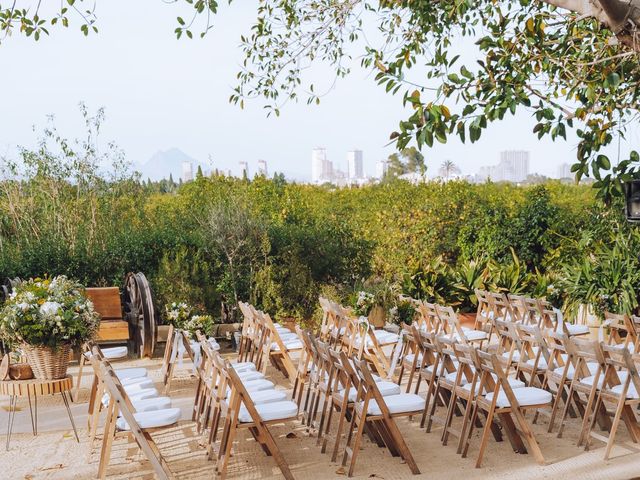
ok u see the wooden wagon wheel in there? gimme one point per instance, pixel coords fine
(7, 287)
(140, 312)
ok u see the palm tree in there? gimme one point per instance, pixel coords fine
(448, 168)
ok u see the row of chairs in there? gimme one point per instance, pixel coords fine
(580, 373)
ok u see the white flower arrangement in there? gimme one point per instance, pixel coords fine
(181, 315)
(48, 312)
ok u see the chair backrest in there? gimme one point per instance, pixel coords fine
(469, 367)
(499, 306)
(559, 355)
(482, 312)
(619, 360)
(452, 324)
(533, 345)
(621, 330)
(549, 315)
(587, 351)
(508, 341)
(428, 318)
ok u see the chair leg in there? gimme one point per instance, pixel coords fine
(80, 368)
(107, 441)
(485, 437)
(614, 428)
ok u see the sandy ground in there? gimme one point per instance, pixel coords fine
(55, 454)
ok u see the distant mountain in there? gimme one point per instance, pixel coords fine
(165, 163)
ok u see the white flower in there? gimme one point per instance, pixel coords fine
(50, 308)
(23, 306)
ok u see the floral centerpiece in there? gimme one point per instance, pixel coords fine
(46, 318)
(204, 323)
(177, 313)
(182, 315)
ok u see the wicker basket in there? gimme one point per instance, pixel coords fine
(46, 363)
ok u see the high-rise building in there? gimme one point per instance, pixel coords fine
(355, 167)
(187, 171)
(262, 168)
(564, 171)
(321, 167)
(244, 169)
(513, 167)
(381, 168)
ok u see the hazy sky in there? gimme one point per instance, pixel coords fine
(160, 92)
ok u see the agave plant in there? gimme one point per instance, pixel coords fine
(431, 281)
(469, 277)
(512, 277)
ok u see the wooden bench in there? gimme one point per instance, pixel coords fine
(106, 301)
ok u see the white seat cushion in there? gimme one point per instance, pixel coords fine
(249, 375)
(268, 396)
(411, 356)
(592, 366)
(542, 363)
(134, 394)
(385, 337)
(524, 396)
(260, 384)
(589, 380)
(515, 356)
(288, 337)
(125, 373)
(631, 392)
(289, 346)
(139, 382)
(243, 366)
(111, 353)
(573, 329)
(402, 403)
(513, 383)
(386, 389)
(151, 404)
(153, 419)
(270, 411)
(472, 335)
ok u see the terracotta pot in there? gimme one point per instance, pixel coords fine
(377, 316)
(467, 319)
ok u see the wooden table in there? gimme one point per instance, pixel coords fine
(34, 388)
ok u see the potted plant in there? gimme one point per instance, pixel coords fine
(46, 319)
(404, 311)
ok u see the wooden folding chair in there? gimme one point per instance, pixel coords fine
(172, 352)
(509, 405)
(380, 412)
(455, 331)
(445, 380)
(623, 391)
(587, 379)
(534, 355)
(463, 391)
(242, 413)
(132, 423)
(411, 355)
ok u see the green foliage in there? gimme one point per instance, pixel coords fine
(606, 278)
(216, 240)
